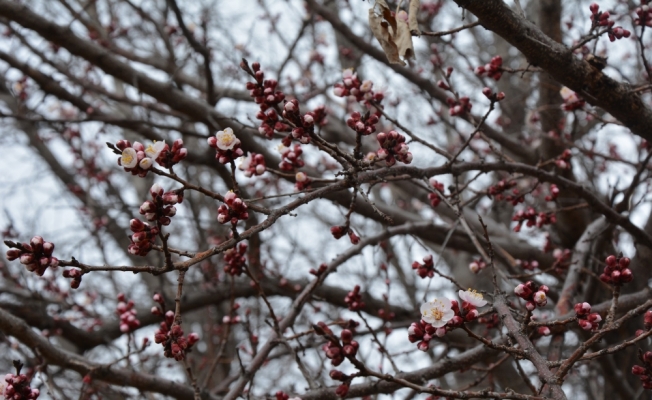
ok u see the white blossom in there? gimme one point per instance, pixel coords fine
(472, 297)
(129, 158)
(437, 312)
(226, 139)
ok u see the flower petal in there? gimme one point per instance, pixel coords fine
(129, 158)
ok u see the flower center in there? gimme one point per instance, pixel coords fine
(436, 313)
(126, 157)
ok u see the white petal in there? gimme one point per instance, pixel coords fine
(129, 158)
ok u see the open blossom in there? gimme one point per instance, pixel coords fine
(226, 139)
(129, 158)
(472, 297)
(437, 312)
(153, 150)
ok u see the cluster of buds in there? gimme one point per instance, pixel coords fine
(393, 148)
(343, 389)
(571, 100)
(290, 157)
(427, 269)
(554, 192)
(363, 124)
(138, 159)
(320, 270)
(563, 161)
(493, 96)
(493, 69)
(18, 385)
(304, 125)
(127, 314)
(170, 334)
(280, 395)
(458, 107)
(643, 15)
(302, 181)
(235, 259)
(533, 295)
(644, 372)
(477, 265)
(161, 208)
(532, 218)
(36, 255)
(233, 210)
(422, 332)
(353, 299)
(585, 318)
(168, 157)
(337, 349)
(265, 94)
(601, 18)
(75, 275)
(143, 238)
(253, 164)
(562, 259)
(471, 300)
(499, 188)
(226, 145)
(617, 271)
(528, 265)
(341, 230)
(435, 198)
(358, 91)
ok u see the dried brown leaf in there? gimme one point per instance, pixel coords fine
(393, 34)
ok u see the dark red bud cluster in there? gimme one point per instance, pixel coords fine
(644, 372)
(393, 148)
(363, 124)
(477, 265)
(265, 94)
(304, 125)
(535, 296)
(617, 271)
(427, 269)
(585, 318)
(322, 268)
(554, 192)
(253, 164)
(356, 90)
(75, 275)
(170, 336)
(422, 333)
(435, 198)
(341, 230)
(458, 107)
(531, 218)
(643, 16)
(233, 211)
(161, 208)
(18, 386)
(235, 259)
(143, 238)
(280, 395)
(172, 156)
(353, 299)
(127, 313)
(602, 18)
(493, 96)
(647, 319)
(493, 69)
(36, 255)
(528, 265)
(291, 158)
(499, 188)
(337, 349)
(563, 161)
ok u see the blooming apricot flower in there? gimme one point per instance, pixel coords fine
(472, 297)
(129, 158)
(437, 312)
(153, 150)
(226, 139)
